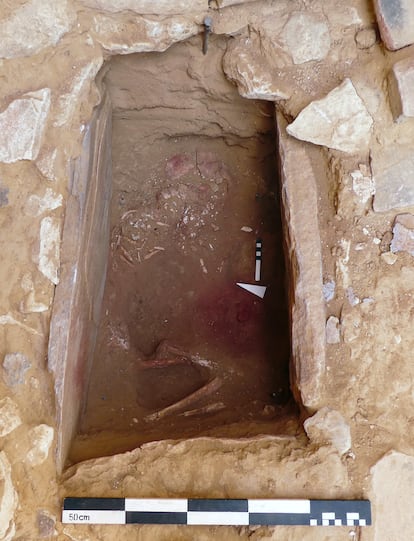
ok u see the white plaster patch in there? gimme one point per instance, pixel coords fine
(69, 102)
(35, 25)
(29, 303)
(46, 164)
(49, 249)
(8, 319)
(22, 125)
(36, 205)
(340, 120)
(306, 36)
(9, 416)
(41, 438)
(8, 501)
(363, 184)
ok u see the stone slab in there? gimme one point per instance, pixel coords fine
(340, 121)
(148, 7)
(400, 89)
(396, 22)
(78, 296)
(300, 211)
(392, 488)
(393, 175)
(35, 25)
(22, 125)
(314, 42)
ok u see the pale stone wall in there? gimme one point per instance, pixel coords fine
(324, 66)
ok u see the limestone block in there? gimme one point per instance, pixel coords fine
(49, 248)
(300, 210)
(400, 88)
(339, 121)
(148, 7)
(328, 426)
(332, 330)
(8, 500)
(403, 234)
(252, 73)
(41, 438)
(306, 36)
(396, 22)
(33, 26)
(22, 125)
(124, 34)
(15, 365)
(392, 496)
(393, 175)
(9, 416)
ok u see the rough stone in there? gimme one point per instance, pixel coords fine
(41, 438)
(46, 523)
(148, 7)
(400, 86)
(22, 125)
(366, 38)
(33, 26)
(328, 290)
(4, 200)
(308, 307)
(403, 234)
(396, 22)
(314, 42)
(15, 366)
(394, 186)
(392, 495)
(363, 184)
(9, 416)
(328, 426)
(332, 330)
(125, 34)
(389, 258)
(8, 500)
(251, 73)
(49, 249)
(339, 121)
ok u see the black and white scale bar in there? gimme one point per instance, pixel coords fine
(217, 512)
(258, 260)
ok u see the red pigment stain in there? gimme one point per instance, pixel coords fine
(231, 318)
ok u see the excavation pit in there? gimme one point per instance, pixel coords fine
(175, 348)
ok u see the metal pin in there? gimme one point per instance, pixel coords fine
(208, 23)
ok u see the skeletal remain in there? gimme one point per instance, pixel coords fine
(187, 402)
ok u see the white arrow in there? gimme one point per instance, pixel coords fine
(256, 290)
